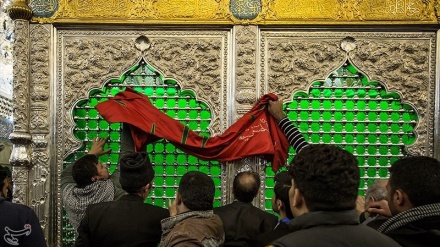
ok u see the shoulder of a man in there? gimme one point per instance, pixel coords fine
(354, 235)
(20, 219)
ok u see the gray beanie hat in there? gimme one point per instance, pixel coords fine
(136, 171)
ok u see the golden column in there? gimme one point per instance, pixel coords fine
(20, 159)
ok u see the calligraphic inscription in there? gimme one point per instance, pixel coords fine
(43, 8)
(256, 128)
(110, 8)
(311, 9)
(245, 9)
(186, 8)
(132, 9)
(396, 9)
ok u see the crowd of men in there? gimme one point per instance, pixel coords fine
(315, 200)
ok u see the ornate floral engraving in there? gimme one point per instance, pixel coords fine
(437, 9)
(246, 96)
(40, 79)
(406, 66)
(349, 10)
(20, 138)
(293, 62)
(246, 56)
(245, 67)
(21, 76)
(39, 122)
(198, 64)
(20, 175)
(39, 186)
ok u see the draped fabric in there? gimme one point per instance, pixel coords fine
(256, 133)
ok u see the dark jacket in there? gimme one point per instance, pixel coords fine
(193, 228)
(421, 233)
(280, 230)
(243, 223)
(330, 229)
(19, 226)
(125, 222)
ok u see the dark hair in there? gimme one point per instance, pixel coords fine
(283, 182)
(84, 169)
(246, 185)
(327, 176)
(197, 191)
(418, 177)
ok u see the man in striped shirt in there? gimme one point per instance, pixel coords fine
(293, 135)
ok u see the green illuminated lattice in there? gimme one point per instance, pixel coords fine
(358, 115)
(169, 162)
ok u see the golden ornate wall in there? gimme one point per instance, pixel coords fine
(258, 12)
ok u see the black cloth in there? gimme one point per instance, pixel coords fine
(243, 223)
(418, 226)
(19, 226)
(125, 222)
(422, 233)
(376, 222)
(329, 229)
(266, 238)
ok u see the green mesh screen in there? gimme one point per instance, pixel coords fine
(169, 162)
(357, 115)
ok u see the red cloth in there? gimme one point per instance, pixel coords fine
(256, 133)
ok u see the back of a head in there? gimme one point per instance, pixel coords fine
(136, 172)
(376, 190)
(418, 177)
(84, 169)
(327, 176)
(197, 191)
(283, 182)
(246, 185)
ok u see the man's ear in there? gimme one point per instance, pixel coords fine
(178, 199)
(398, 197)
(279, 203)
(148, 186)
(402, 200)
(298, 199)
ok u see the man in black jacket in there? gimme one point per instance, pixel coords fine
(19, 225)
(242, 221)
(323, 200)
(413, 201)
(281, 206)
(128, 221)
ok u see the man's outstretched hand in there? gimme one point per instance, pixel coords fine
(276, 109)
(98, 146)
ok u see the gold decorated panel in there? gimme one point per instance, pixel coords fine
(349, 11)
(227, 12)
(141, 11)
